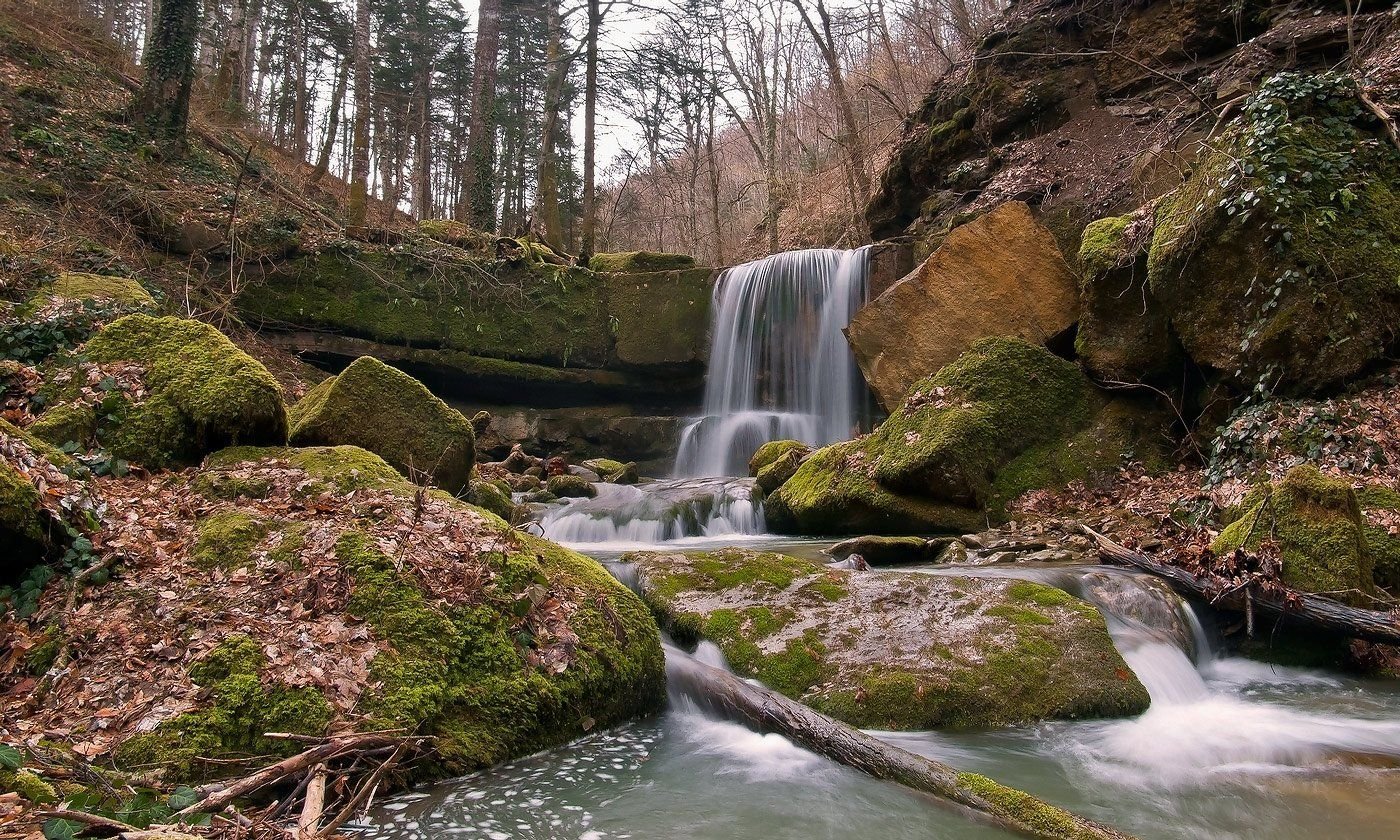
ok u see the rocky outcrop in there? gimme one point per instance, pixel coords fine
(999, 276)
(388, 412)
(1316, 523)
(1005, 418)
(895, 651)
(1124, 332)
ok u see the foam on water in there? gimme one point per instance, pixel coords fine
(631, 516)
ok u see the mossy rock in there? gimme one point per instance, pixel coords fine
(203, 392)
(67, 423)
(1384, 546)
(29, 785)
(458, 235)
(1124, 333)
(1316, 521)
(1000, 420)
(660, 319)
(570, 487)
(99, 288)
(382, 409)
(613, 472)
(22, 528)
(486, 495)
(1284, 278)
(640, 262)
(772, 451)
(776, 473)
(895, 651)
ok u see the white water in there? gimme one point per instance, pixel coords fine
(780, 368)
(637, 516)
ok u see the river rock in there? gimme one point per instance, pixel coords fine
(881, 551)
(1001, 275)
(895, 650)
(388, 412)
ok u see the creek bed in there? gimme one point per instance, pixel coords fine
(1231, 748)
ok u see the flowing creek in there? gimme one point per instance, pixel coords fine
(1230, 748)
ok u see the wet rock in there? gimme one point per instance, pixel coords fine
(1124, 332)
(882, 551)
(895, 650)
(570, 487)
(999, 276)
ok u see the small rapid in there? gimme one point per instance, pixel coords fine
(624, 516)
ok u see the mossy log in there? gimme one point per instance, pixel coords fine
(980, 797)
(1301, 607)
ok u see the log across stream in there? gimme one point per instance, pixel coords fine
(1230, 749)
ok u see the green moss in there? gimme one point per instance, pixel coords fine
(19, 507)
(570, 486)
(717, 571)
(1041, 818)
(388, 412)
(241, 709)
(640, 262)
(486, 495)
(523, 311)
(773, 450)
(1316, 522)
(43, 448)
(339, 469)
(1039, 593)
(1101, 246)
(28, 785)
(661, 318)
(66, 423)
(1020, 615)
(204, 393)
(100, 288)
(463, 673)
(791, 671)
(227, 540)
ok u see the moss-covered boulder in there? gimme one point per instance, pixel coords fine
(1278, 259)
(773, 451)
(1006, 417)
(98, 288)
(570, 487)
(388, 412)
(1382, 538)
(1316, 522)
(1124, 333)
(21, 526)
(201, 392)
(375, 607)
(489, 496)
(659, 318)
(895, 651)
(776, 473)
(611, 471)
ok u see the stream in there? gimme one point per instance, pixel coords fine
(1230, 748)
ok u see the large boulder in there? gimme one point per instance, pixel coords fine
(659, 317)
(895, 650)
(388, 412)
(196, 393)
(21, 526)
(999, 276)
(1316, 523)
(317, 619)
(1278, 259)
(1124, 334)
(1005, 418)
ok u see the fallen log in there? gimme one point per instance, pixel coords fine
(977, 796)
(1314, 610)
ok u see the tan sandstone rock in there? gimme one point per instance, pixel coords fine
(1000, 275)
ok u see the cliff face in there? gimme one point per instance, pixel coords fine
(1089, 108)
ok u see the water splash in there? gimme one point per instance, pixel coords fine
(662, 511)
(780, 367)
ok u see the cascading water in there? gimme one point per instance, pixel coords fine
(780, 367)
(655, 512)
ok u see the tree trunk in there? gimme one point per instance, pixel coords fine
(768, 711)
(477, 201)
(161, 108)
(590, 109)
(323, 161)
(359, 141)
(851, 139)
(423, 139)
(230, 86)
(547, 192)
(1314, 610)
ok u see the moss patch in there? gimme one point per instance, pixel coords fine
(227, 539)
(1316, 522)
(101, 289)
(640, 262)
(204, 393)
(388, 412)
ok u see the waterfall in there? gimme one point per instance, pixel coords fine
(656, 512)
(780, 367)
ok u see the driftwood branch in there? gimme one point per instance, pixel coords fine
(1315, 610)
(978, 797)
